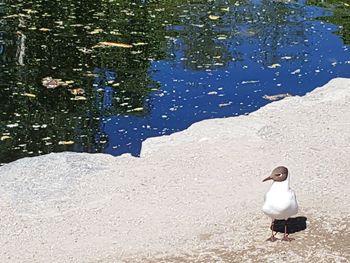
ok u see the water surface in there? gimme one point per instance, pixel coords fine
(165, 66)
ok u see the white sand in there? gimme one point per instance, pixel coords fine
(194, 196)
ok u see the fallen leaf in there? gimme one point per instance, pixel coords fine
(5, 137)
(276, 97)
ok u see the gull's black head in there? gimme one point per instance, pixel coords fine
(278, 174)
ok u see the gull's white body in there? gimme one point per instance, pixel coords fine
(280, 201)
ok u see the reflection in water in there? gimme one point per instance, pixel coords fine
(163, 65)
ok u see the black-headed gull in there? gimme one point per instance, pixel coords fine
(280, 201)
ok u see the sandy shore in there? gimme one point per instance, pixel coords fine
(194, 196)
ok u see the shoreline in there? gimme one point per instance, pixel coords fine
(193, 196)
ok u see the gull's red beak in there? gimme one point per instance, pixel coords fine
(267, 178)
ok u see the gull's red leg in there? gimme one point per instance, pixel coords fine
(272, 238)
(285, 236)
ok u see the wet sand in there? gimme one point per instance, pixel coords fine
(193, 196)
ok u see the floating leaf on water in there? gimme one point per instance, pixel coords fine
(274, 66)
(43, 29)
(213, 17)
(90, 74)
(51, 83)
(77, 91)
(30, 11)
(12, 125)
(29, 95)
(67, 82)
(59, 22)
(250, 81)
(85, 50)
(296, 71)
(65, 142)
(138, 109)
(136, 52)
(5, 137)
(79, 98)
(17, 15)
(140, 44)
(226, 9)
(112, 44)
(212, 93)
(225, 104)
(197, 25)
(116, 33)
(276, 97)
(96, 31)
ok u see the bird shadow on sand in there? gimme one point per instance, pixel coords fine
(294, 224)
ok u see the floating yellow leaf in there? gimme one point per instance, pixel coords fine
(65, 142)
(115, 33)
(274, 66)
(43, 29)
(68, 82)
(30, 11)
(96, 31)
(5, 137)
(138, 109)
(29, 95)
(212, 17)
(79, 98)
(139, 44)
(113, 44)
